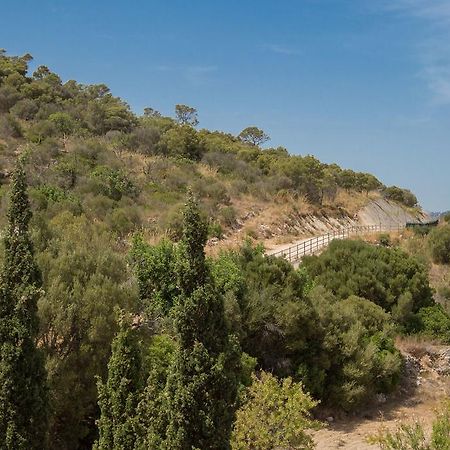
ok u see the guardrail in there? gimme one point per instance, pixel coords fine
(313, 245)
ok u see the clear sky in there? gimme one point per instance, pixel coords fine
(364, 83)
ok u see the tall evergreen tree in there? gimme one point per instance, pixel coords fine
(23, 388)
(202, 385)
(118, 397)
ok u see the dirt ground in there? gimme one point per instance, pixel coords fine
(425, 384)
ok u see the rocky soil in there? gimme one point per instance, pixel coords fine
(425, 383)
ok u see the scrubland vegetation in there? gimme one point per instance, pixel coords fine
(117, 332)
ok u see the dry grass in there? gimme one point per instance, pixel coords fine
(352, 202)
(417, 346)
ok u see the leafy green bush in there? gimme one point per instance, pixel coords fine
(39, 131)
(154, 266)
(9, 127)
(215, 230)
(113, 183)
(434, 322)
(439, 243)
(357, 358)
(400, 195)
(84, 278)
(227, 216)
(275, 415)
(181, 141)
(381, 275)
(384, 239)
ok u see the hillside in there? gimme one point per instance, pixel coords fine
(90, 154)
(137, 308)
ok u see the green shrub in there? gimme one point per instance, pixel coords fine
(25, 109)
(356, 358)
(41, 130)
(113, 183)
(63, 122)
(439, 243)
(400, 195)
(227, 216)
(215, 230)
(381, 275)
(154, 266)
(434, 322)
(9, 127)
(384, 240)
(275, 415)
(181, 141)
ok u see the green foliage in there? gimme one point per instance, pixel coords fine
(113, 183)
(400, 195)
(203, 382)
(254, 136)
(181, 141)
(191, 269)
(23, 388)
(434, 322)
(384, 239)
(439, 243)
(118, 397)
(84, 278)
(357, 358)
(277, 315)
(342, 350)
(154, 267)
(151, 411)
(276, 414)
(381, 275)
(215, 230)
(63, 122)
(186, 115)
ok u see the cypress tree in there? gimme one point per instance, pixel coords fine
(118, 397)
(23, 388)
(202, 384)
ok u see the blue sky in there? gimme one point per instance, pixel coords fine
(364, 83)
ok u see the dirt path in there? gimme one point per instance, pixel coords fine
(425, 385)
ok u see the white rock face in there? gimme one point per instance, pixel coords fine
(387, 214)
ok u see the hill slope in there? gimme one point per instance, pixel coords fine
(90, 154)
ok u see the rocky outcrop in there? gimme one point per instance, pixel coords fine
(387, 214)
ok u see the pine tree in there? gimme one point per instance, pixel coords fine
(202, 384)
(118, 397)
(23, 388)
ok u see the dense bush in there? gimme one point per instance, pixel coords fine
(400, 195)
(439, 242)
(387, 277)
(276, 414)
(342, 350)
(434, 322)
(84, 277)
(357, 358)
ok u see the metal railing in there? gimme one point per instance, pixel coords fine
(313, 245)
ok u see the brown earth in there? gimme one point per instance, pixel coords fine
(426, 382)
